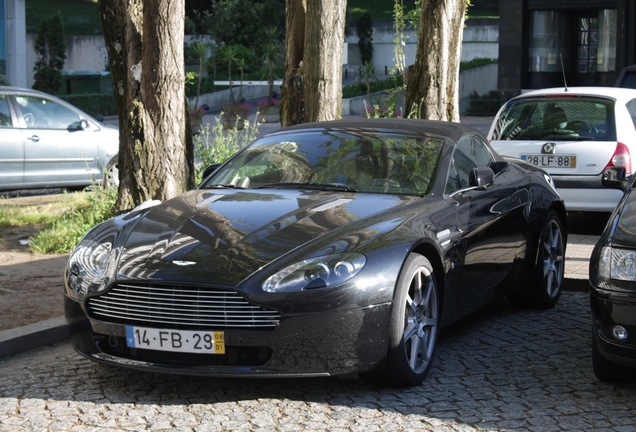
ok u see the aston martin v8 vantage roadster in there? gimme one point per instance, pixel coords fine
(332, 248)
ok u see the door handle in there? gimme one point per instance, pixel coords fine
(34, 138)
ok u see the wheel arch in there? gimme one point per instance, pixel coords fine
(431, 253)
(559, 208)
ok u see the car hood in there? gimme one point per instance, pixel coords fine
(223, 236)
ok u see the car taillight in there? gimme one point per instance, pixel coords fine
(621, 158)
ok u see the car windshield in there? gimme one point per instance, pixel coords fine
(353, 161)
(557, 118)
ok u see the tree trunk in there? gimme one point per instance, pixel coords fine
(312, 89)
(432, 82)
(324, 41)
(144, 40)
(292, 109)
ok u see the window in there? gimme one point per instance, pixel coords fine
(585, 41)
(587, 44)
(548, 41)
(606, 57)
(5, 113)
(631, 107)
(557, 118)
(43, 113)
(470, 152)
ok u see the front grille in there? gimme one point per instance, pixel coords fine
(180, 306)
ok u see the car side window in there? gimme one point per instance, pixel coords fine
(631, 107)
(40, 113)
(470, 152)
(5, 113)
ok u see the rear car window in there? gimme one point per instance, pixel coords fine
(631, 108)
(567, 118)
(627, 79)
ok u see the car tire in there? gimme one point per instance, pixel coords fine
(111, 174)
(414, 324)
(606, 370)
(544, 287)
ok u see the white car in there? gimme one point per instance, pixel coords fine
(47, 142)
(574, 134)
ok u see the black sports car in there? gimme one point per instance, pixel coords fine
(322, 249)
(613, 287)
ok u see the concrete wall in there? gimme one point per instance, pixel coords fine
(479, 40)
(82, 53)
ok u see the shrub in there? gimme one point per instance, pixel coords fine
(365, 37)
(219, 60)
(65, 232)
(50, 50)
(215, 144)
(94, 104)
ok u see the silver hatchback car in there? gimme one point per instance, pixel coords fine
(47, 142)
(574, 134)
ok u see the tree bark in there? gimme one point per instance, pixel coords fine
(312, 89)
(144, 40)
(432, 82)
(324, 41)
(292, 109)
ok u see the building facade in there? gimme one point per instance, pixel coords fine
(546, 43)
(13, 51)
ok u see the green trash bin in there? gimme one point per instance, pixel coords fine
(87, 81)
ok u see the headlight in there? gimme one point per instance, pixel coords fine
(319, 272)
(616, 263)
(91, 266)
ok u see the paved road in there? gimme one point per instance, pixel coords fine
(503, 369)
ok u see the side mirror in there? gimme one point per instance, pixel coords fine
(615, 178)
(481, 177)
(210, 170)
(78, 126)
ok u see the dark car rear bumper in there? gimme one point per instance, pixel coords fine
(609, 310)
(324, 344)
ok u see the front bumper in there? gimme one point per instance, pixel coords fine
(319, 344)
(608, 310)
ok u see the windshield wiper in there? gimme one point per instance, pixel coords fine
(318, 186)
(222, 186)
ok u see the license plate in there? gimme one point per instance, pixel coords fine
(201, 342)
(551, 161)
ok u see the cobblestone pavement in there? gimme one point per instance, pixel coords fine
(502, 369)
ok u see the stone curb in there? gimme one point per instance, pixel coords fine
(16, 341)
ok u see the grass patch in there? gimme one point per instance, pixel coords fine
(63, 233)
(68, 218)
(25, 211)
